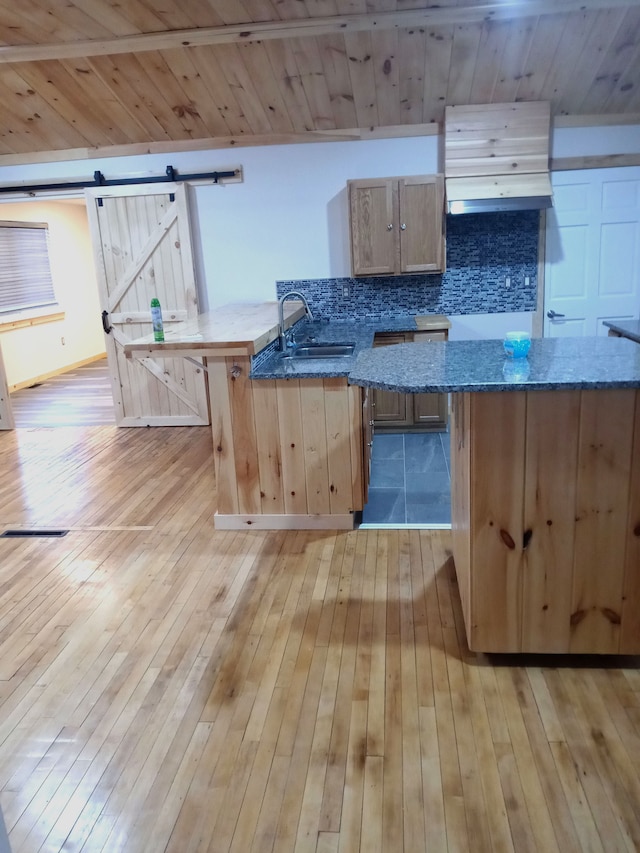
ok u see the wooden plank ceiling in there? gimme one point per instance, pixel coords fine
(97, 77)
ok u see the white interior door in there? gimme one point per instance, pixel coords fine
(142, 247)
(592, 265)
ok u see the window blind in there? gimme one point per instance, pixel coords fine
(25, 272)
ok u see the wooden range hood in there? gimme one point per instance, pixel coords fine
(497, 157)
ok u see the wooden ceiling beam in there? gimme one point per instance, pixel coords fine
(300, 28)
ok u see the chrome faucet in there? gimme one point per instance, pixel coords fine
(292, 294)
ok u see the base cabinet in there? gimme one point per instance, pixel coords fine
(397, 412)
(288, 453)
(546, 520)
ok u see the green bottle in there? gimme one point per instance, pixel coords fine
(156, 319)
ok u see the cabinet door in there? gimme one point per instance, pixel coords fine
(373, 208)
(391, 408)
(422, 224)
(431, 410)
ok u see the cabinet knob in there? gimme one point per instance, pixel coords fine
(403, 227)
(390, 227)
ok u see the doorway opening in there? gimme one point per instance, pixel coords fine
(56, 355)
(78, 397)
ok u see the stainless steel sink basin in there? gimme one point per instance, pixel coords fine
(321, 351)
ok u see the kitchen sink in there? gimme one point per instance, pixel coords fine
(318, 350)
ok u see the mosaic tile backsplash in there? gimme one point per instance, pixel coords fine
(483, 251)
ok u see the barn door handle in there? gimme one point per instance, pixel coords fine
(105, 322)
(553, 314)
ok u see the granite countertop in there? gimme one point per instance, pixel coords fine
(552, 364)
(271, 365)
(627, 328)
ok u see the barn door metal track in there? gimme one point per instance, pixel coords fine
(170, 176)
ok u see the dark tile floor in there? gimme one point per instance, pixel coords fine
(410, 479)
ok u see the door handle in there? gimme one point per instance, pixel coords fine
(553, 315)
(105, 323)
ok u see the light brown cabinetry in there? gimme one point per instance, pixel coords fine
(398, 412)
(546, 520)
(397, 225)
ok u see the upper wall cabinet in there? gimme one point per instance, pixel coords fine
(397, 225)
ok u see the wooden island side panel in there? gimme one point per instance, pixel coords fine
(546, 520)
(287, 453)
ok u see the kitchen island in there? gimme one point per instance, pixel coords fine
(545, 455)
(287, 453)
(290, 437)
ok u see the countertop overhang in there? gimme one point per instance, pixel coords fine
(235, 329)
(552, 364)
(626, 328)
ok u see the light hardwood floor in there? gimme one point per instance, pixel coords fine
(164, 686)
(80, 397)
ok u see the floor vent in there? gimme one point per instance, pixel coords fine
(12, 534)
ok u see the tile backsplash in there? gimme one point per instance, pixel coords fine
(485, 252)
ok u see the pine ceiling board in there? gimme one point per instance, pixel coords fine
(121, 74)
(466, 41)
(436, 73)
(206, 62)
(351, 7)
(256, 61)
(545, 44)
(201, 14)
(94, 18)
(39, 26)
(176, 92)
(321, 8)
(86, 111)
(594, 47)
(285, 69)
(412, 57)
(613, 64)
(313, 81)
(493, 40)
(31, 119)
(386, 68)
(243, 88)
(577, 28)
(230, 11)
(166, 99)
(172, 15)
(8, 139)
(94, 86)
(291, 10)
(185, 66)
(260, 10)
(335, 66)
(15, 29)
(514, 58)
(628, 82)
(359, 53)
(141, 19)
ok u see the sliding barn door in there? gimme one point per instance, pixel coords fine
(142, 248)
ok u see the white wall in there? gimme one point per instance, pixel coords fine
(593, 141)
(35, 351)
